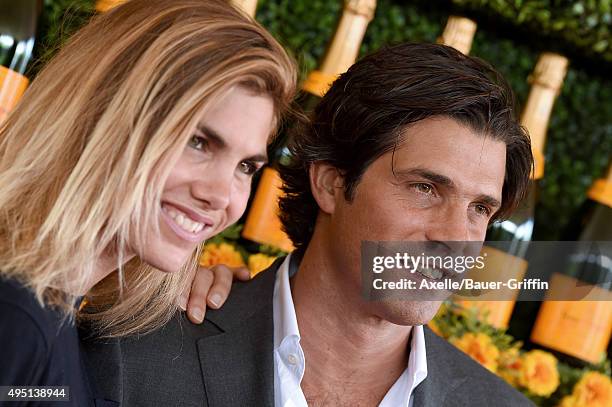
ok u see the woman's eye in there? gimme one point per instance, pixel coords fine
(423, 188)
(248, 168)
(198, 143)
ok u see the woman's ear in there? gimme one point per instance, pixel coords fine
(326, 185)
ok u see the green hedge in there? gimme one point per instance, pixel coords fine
(585, 25)
(580, 135)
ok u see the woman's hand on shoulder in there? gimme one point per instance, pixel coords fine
(210, 288)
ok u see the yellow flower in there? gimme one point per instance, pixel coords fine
(223, 253)
(259, 262)
(539, 373)
(510, 364)
(480, 347)
(593, 390)
(568, 401)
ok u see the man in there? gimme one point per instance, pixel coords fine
(413, 143)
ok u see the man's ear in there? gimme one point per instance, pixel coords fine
(326, 184)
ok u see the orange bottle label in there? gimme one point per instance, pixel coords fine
(577, 328)
(495, 313)
(105, 5)
(601, 191)
(263, 224)
(495, 306)
(318, 83)
(12, 87)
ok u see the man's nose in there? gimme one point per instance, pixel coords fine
(451, 229)
(214, 189)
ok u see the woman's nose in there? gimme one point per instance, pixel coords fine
(214, 189)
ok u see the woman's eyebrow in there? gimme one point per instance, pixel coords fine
(214, 137)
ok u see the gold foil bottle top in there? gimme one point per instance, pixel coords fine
(549, 71)
(344, 46)
(365, 8)
(248, 6)
(546, 81)
(459, 34)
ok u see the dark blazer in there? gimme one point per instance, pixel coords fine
(228, 361)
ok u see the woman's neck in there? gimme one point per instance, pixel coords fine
(105, 265)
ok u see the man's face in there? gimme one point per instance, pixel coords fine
(443, 183)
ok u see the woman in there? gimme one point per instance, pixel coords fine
(132, 147)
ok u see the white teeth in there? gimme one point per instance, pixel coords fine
(184, 221)
(431, 273)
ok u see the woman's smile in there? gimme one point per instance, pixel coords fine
(186, 223)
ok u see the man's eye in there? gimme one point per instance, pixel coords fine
(248, 168)
(423, 188)
(198, 143)
(483, 210)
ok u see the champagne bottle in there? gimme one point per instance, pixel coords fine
(262, 224)
(581, 329)
(458, 33)
(248, 6)
(18, 21)
(509, 261)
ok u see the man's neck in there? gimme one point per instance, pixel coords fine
(353, 357)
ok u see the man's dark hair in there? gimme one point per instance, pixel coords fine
(363, 114)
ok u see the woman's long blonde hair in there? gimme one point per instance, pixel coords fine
(85, 155)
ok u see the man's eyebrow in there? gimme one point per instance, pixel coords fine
(445, 181)
(427, 174)
(215, 138)
(258, 158)
(489, 200)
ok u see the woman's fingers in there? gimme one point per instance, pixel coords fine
(210, 288)
(224, 276)
(196, 304)
(184, 298)
(241, 273)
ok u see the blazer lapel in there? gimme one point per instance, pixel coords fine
(237, 363)
(440, 381)
(104, 367)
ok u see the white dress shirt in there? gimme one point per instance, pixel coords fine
(289, 362)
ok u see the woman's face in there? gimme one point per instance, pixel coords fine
(209, 187)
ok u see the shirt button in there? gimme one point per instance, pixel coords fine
(292, 359)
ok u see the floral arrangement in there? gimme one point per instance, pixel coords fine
(536, 373)
(227, 248)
